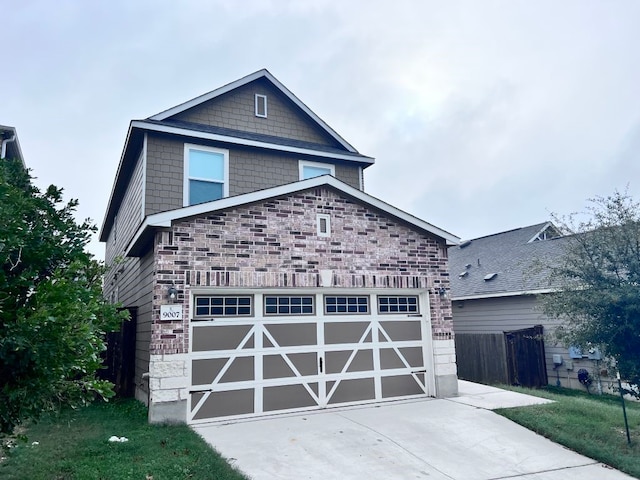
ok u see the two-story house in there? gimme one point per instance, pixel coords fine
(261, 276)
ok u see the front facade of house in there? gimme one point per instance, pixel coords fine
(262, 278)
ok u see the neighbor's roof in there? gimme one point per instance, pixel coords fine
(166, 219)
(519, 259)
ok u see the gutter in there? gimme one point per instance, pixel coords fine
(4, 145)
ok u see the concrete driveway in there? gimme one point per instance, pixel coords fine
(458, 438)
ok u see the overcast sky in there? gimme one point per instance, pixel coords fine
(482, 116)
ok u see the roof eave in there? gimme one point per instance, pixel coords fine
(166, 219)
(351, 157)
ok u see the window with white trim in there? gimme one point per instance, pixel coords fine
(207, 306)
(390, 304)
(346, 304)
(261, 105)
(289, 305)
(323, 225)
(315, 169)
(206, 176)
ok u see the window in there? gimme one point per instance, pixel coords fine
(288, 305)
(261, 105)
(223, 306)
(343, 304)
(323, 226)
(206, 174)
(397, 304)
(315, 169)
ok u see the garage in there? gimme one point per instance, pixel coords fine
(255, 353)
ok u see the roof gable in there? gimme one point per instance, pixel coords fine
(167, 219)
(194, 108)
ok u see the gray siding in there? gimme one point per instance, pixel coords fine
(249, 170)
(498, 315)
(236, 110)
(129, 216)
(165, 165)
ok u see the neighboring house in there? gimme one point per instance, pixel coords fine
(261, 277)
(10, 146)
(502, 336)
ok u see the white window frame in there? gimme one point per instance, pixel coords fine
(305, 163)
(258, 97)
(185, 187)
(327, 219)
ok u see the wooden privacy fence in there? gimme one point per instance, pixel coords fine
(515, 358)
(119, 358)
(481, 357)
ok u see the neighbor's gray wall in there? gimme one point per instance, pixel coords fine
(498, 315)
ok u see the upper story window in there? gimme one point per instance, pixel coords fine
(206, 174)
(315, 169)
(261, 105)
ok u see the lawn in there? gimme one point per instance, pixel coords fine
(592, 425)
(74, 445)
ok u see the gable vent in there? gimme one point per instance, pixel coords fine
(490, 276)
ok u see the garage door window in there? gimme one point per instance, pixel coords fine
(289, 305)
(223, 306)
(388, 304)
(339, 305)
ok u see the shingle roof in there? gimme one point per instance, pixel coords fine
(257, 137)
(514, 256)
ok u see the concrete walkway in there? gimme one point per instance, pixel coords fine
(446, 439)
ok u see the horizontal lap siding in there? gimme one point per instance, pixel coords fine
(496, 315)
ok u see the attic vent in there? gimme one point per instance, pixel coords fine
(466, 243)
(463, 274)
(490, 277)
(261, 106)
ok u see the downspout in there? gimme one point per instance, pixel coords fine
(4, 145)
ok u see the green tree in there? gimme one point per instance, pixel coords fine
(53, 317)
(599, 284)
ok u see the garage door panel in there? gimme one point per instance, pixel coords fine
(336, 361)
(401, 386)
(402, 357)
(287, 397)
(290, 334)
(354, 390)
(220, 337)
(222, 404)
(271, 363)
(346, 332)
(399, 330)
(276, 366)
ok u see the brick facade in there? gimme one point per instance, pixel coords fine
(274, 244)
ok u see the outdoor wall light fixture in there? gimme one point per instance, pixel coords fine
(172, 293)
(441, 291)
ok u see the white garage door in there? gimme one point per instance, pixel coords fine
(261, 353)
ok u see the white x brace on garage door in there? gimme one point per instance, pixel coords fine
(254, 352)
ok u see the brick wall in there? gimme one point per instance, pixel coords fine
(274, 244)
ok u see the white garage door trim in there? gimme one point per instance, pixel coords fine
(256, 342)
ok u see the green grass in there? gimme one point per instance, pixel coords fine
(73, 445)
(592, 425)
